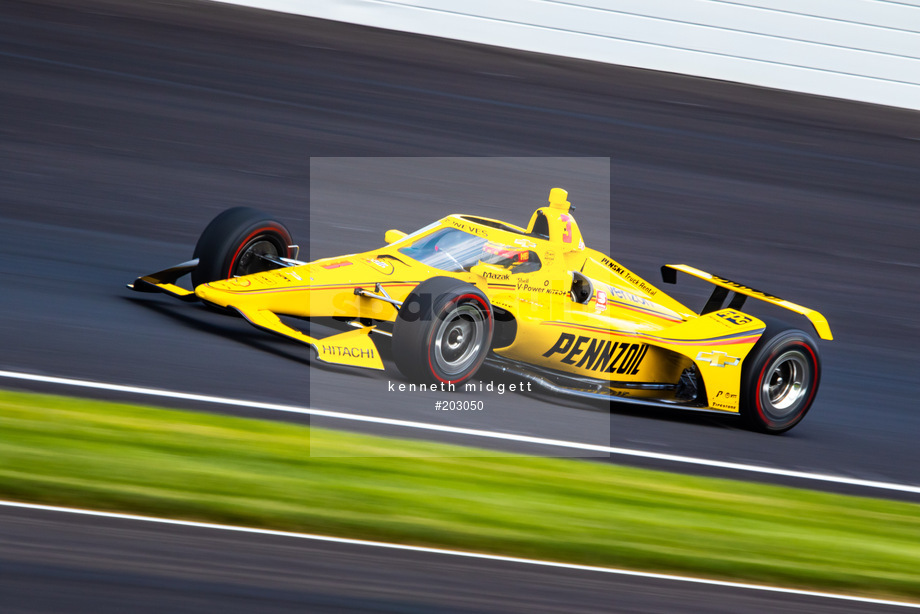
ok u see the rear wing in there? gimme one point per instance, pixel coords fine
(741, 292)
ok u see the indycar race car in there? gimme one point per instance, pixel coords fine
(533, 302)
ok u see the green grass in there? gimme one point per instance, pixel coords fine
(259, 473)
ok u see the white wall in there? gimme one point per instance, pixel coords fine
(866, 50)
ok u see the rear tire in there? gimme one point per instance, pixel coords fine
(443, 332)
(232, 243)
(779, 379)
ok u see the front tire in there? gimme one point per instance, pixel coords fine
(233, 243)
(443, 332)
(779, 379)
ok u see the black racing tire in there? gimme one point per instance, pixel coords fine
(779, 378)
(443, 332)
(231, 244)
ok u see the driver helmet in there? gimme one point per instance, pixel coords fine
(502, 255)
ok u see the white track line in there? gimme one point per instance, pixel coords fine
(460, 553)
(153, 392)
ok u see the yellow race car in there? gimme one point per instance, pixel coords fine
(534, 302)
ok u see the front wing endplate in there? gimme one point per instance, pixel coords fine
(353, 348)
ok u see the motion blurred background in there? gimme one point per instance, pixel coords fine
(127, 126)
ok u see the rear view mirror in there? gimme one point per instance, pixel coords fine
(392, 236)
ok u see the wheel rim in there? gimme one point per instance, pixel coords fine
(785, 383)
(459, 339)
(250, 257)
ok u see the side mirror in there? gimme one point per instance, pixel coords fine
(392, 236)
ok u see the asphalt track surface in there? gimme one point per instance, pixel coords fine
(117, 565)
(126, 128)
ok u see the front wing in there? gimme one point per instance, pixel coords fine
(352, 348)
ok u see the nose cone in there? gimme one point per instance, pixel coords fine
(244, 291)
(216, 292)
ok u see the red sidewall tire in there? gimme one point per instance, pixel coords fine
(780, 379)
(231, 238)
(443, 332)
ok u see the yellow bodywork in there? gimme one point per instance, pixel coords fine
(620, 330)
